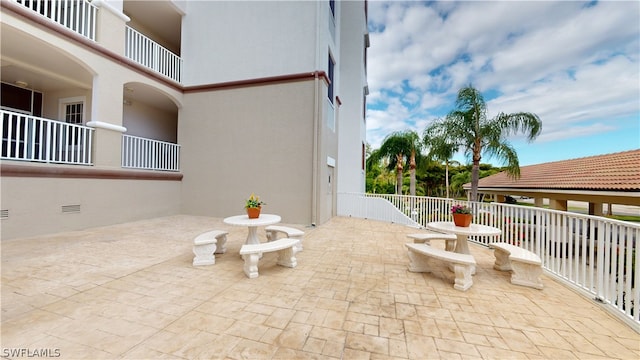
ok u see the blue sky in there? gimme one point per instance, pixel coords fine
(574, 64)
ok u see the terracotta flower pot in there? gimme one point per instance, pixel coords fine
(463, 220)
(253, 213)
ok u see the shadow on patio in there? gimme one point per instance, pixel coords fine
(130, 291)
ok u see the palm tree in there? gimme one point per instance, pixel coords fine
(467, 126)
(441, 149)
(400, 148)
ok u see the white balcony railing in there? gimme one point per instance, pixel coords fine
(31, 138)
(596, 255)
(77, 15)
(147, 52)
(148, 154)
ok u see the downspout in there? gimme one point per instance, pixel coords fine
(314, 172)
(316, 125)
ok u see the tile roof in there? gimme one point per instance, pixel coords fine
(610, 172)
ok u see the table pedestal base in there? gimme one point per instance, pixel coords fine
(252, 237)
(462, 247)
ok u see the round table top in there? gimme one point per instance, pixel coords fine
(473, 229)
(243, 220)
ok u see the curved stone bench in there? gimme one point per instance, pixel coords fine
(207, 244)
(525, 266)
(420, 256)
(425, 238)
(293, 233)
(252, 253)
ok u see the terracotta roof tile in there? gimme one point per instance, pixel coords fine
(613, 172)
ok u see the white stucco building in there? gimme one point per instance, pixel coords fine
(114, 111)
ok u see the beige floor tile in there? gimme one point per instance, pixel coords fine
(372, 330)
(498, 353)
(314, 345)
(449, 330)
(363, 342)
(356, 354)
(421, 347)
(248, 349)
(456, 347)
(611, 347)
(476, 339)
(294, 336)
(104, 294)
(271, 336)
(518, 341)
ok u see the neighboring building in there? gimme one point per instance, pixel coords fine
(598, 180)
(116, 110)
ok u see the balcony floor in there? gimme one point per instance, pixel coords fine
(130, 291)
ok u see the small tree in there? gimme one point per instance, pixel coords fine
(399, 148)
(442, 149)
(468, 128)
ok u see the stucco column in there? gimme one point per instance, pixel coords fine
(595, 209)
(106, 119)
(556, 204)
(538, 202)
(111, 25)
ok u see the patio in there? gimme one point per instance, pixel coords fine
(129, 291)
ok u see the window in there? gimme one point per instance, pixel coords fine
(330, 67)
(73, 113)
(364, 108)
(72, 110)
(20, 99)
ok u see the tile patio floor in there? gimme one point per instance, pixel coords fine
(129, 291)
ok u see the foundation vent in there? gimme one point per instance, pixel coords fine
(4, 214)
(70, 209)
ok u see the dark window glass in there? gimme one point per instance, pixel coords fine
(16, 98)
(331, 66)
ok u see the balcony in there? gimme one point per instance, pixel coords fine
(152, 55)
(35, 139)
(79, 16)
(149, 154)
(594, 255)
(129, 291)
(31, 138)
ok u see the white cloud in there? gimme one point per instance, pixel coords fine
(575, 64)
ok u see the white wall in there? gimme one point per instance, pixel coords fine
(228, 41)
(247, 140)
(143, 120)
(35, 203)
(352, 127)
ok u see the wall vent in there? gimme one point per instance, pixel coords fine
(4, 214)
(70, 209)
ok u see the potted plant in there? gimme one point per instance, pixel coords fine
(253, 206)
(462, 215)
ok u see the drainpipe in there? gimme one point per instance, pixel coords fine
(316, 121)
(316, 133)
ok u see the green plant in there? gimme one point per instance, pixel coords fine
(254, 202)
(460, 209)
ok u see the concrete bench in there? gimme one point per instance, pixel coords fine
(526, 267)
(293, 233)
(252, 253)
(420, 260)
(425, 238)
(207, 244)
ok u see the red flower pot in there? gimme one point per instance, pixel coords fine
(253, 213)
(463, 220)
